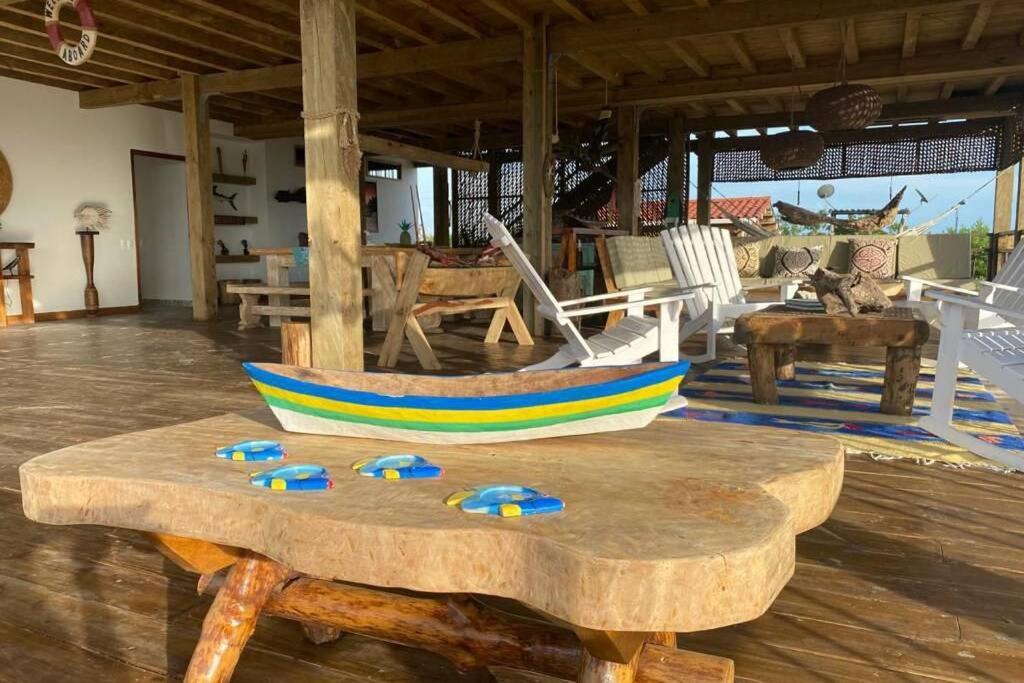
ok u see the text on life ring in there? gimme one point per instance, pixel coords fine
(78, 53)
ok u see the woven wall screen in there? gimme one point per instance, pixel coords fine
(471, 196)
(976, 147)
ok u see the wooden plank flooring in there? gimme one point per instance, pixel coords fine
(918, 576)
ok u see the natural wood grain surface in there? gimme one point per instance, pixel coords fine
(778, 325)
(689, 513)
(915, 577)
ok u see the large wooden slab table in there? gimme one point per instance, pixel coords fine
(773, 334)
(681, 526)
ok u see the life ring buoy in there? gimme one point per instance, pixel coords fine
(78, 53)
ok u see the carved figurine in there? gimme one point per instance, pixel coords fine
(245, 247)
(224, 251)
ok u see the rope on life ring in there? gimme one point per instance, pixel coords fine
(78, 53)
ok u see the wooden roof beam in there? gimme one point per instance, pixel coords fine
(509, 10)
(796, 55)
(449, 13)
(995, 85)
(373, 10)
(978, 24)
(598, 66)
(688, 55)
(573, 10)
(740, 52)
(911, 29)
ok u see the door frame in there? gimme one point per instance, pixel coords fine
(135, 153)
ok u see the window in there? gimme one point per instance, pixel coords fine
(380, 169)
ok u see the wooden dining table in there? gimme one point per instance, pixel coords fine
(404, 288)
(678, 527)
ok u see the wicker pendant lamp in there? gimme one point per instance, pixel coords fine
(847, 106)
(791, 150)
(850, 106)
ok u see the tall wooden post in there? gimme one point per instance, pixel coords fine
(494, 183)
(442, 221)
(627, 186)
(678, 160)
(705, 174)
(332, 182)
(536, 158)
(1019, 223)
(199, 192)
(1003, 215)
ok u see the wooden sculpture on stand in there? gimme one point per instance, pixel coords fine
(89, 220)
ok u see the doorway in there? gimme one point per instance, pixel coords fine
(161, 229)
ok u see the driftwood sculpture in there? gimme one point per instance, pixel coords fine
(849, 293)
(871, 223)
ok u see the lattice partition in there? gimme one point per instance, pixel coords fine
(977, 147)
(471, 197)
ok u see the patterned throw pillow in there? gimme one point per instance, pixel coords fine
(748, 259)
(796, 262)
(873, 256)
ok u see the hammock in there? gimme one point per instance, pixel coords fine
(871, 223)
(922, 228)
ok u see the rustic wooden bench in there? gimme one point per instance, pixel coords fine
(250, 309)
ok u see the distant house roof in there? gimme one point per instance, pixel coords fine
(757, 209)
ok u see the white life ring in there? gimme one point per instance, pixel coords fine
(78, 53)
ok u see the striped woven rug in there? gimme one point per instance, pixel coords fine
(842, 400)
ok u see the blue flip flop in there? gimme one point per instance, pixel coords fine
(398, 467)
(251, 451)
(293, 478)
(505, 500)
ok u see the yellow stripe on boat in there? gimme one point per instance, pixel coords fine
(443, 416)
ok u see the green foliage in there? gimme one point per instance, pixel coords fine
(405, 226)
(979, 233)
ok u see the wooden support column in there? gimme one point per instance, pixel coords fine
(442, 217)
(1002, 220)
(199, 191)
(537, 114)
(705, 174)
(1019, 223)
(332, 182)
(678, 159)
(627, 186)
(494, 183)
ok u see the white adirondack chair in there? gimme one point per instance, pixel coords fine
(628, 342)
(702, 259)
(1001, 292)
(995, 354)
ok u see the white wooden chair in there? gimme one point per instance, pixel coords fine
(995, 354)
(702, 259)
(1001, 292)
(628, 342)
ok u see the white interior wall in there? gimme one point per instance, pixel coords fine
(62, 156)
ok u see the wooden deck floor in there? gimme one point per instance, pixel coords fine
(918, 576)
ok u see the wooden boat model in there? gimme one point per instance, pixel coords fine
(486, 408)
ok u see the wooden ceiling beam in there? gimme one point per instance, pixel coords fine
(725, 18)
(449, 13)
(943, 65)
(510, 11)
(995, 85)
(688, 55)
(573, 10)
(277, 20)
(406, 26)
(599, 67)
(796, 55)
(978, 24)
(739, 52)
(911, 29)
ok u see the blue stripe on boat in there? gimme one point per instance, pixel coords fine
(496, 402)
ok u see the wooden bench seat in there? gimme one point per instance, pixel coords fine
(250, 309)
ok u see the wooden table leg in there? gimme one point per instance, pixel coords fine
(232, 618)
(405, 299)
(902, 365)
(785, 361)
(28, 311)
(626, 648)
(277, 276)
(761, 361)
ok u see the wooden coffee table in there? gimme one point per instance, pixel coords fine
(681, 526)
(772, 335)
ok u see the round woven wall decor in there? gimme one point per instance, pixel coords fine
(792, 150)
(6, 183)
(851, 106)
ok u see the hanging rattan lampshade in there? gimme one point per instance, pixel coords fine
(850, 106)
(791, 150)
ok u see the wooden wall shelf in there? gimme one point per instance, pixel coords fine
(228, 179)
(238, 258)
(224, 219)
